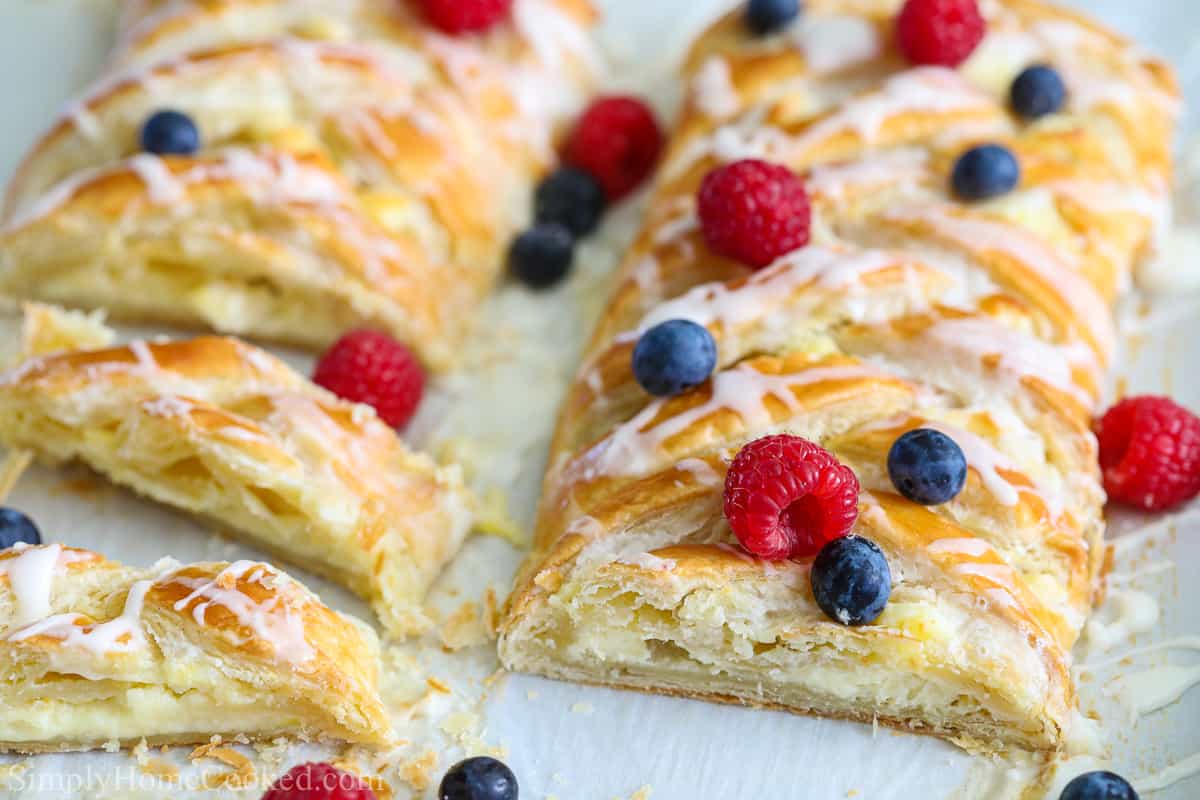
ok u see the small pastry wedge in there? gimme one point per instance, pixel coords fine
(95, 652)
(988, 321)
(222, 429)
(354, 168)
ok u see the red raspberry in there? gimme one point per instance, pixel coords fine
(939, 32)
(754, 212)
(315, 781)
(617, 141)
(786, 497)
(465, 16)
(373, 368)
(1150, 453)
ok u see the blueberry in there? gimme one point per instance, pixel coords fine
(1039, 90)
(927, 467)
(986, 171)
(851, 580)
(541, 256)
(1098, 786)
(674, 356)
(480, 778)
(170, 133)
(16, 527)
(768, 16)
(572, 198)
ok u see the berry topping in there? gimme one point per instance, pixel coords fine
(373, 368)
(851, 580)
(170, 133)
(927, 467)
(465, 16)
(315, 781)
(984, 172)
(573, 199)
(617, 141)
(1039, 90)
(673, 357)
(786, 497)
(16, 527)
(768, 16)
(940, 33)
(1150, 453)
(479, 778)
(754, 212)
(541, 256)
(1099, 786)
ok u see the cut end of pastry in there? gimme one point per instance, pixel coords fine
(101, 652)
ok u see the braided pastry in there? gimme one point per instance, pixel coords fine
(220, 428)
(94, 652)
(990, 322)
(356, 169)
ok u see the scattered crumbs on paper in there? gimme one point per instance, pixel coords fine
(642, 793)
(582, 708)
(438, 685)
(551, 797)
(161, 768)
(241, 771)
(139, 752)
(464, 628)
(532, 694)
(494, 519)
(418, 772)
(112, 746)
(852, 793)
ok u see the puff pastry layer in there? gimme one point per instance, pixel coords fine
(990, 322)
(358, 169)
(225, 430)
(94, 652)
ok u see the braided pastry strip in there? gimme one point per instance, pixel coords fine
(991, 322)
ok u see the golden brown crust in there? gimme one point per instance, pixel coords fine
(990, 322)
(223, 429)
(357, 169)
(175, 654)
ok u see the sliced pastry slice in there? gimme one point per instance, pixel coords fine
(95, 652)
(222, 429)
(324, 184)
(987, 322)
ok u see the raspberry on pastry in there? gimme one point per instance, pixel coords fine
(618, 142)
(1150, 453)
(754, 212)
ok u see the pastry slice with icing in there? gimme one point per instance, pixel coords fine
(989, 322)
(222, 429)
(373, 179)
(95, 652)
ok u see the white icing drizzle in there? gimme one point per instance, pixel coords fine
(835, 41)
(123, 633)
(971, 546)
(1156, 688)
(713, 89)
(1018, 244)
(1134, 612)
(31, 578)
(1020, 355)
(701, 471)
(715, 302)
(274, 621)
(905, 166)
(551, 33)
(985, 460)
(649, 561)
(634, 447)
(1169, 776)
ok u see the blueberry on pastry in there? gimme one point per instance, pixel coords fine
(663, 562)
(225, 430)
(95, 652)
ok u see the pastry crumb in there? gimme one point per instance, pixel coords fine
(532, 694)
(241, 774)
(438, 686)
(418, 772)
(582, 708)
(162, 769)
(466, 627)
